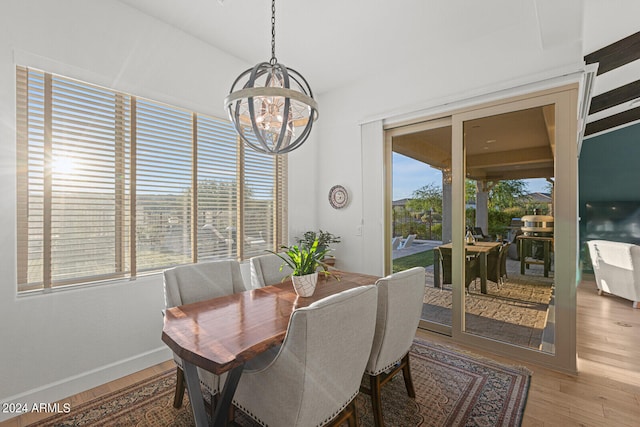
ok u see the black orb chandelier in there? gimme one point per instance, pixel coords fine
(272, 106)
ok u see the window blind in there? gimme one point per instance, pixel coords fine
(164, 162)
(217, 188)
(110, 185)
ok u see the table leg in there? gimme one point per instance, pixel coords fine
(483, 272)
(195, 394)
(547, 258)
(521, 253)
(436, 269)
(221, 415)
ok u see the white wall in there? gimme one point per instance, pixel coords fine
(58, 344)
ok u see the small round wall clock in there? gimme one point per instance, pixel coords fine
(338, 197)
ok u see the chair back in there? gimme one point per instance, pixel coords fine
(265, 270)
(504, 250)
(616, 266)
(186, 284)
(445, 259)
(395, 242)
(471, 268)
(400, 298)
(408, 242)
(319, 367)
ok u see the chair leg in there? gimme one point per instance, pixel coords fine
(352, 421)
(348, 414)
(406, 373)
(177, 398)
(376, 400)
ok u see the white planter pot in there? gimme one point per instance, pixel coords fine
(305, 285)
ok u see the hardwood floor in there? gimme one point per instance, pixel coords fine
(30, 418)
(606, 392)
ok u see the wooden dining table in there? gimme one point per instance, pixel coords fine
(480, 248)
(221, 334)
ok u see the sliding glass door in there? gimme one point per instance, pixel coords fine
(421, 212)
(495, 220)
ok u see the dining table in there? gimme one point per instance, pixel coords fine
(482, 249)
(221, 334)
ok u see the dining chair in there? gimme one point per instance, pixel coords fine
(504, 253)
(497, 265)
(471, 271)
(400, 298)
(265, 270)
(312, 379)
(186, 284)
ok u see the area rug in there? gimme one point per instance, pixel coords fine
(453, 388)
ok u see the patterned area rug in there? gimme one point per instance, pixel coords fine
(515, 312)
(452, 389)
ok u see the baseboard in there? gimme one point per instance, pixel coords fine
(59, 390)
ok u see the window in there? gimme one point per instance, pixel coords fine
(111, 185)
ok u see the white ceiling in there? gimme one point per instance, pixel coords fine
(334, 42)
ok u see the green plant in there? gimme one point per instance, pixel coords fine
(324, 239)
(304, 260)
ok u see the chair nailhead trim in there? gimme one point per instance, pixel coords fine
(326, 421)
(386, 368)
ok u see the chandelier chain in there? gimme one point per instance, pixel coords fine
(273, 32)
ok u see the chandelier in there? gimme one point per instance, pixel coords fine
(270, 105)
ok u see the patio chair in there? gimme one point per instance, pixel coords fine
(472, 267)
(407, 242)
(395, 242)
(497, 265)
(479, 235)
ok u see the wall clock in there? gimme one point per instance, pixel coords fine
(338, 197)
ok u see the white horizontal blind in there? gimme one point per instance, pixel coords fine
(259, 202)
(163, 185)
(217, 178)
(77, 180)
(89, 159)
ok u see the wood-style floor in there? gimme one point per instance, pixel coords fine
(606, 392)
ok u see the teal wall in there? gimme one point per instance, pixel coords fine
(609, 166)
(609, 170)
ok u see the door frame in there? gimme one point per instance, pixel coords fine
(565, 99)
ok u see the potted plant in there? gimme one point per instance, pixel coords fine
(304, 261)
(324, 239)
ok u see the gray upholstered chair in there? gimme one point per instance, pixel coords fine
(313, 378)
(400, 297)
(265, 270)
(197, 282)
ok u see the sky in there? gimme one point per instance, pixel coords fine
(410, 174)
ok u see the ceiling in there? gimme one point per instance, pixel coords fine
(335, 42)
(515, 145)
